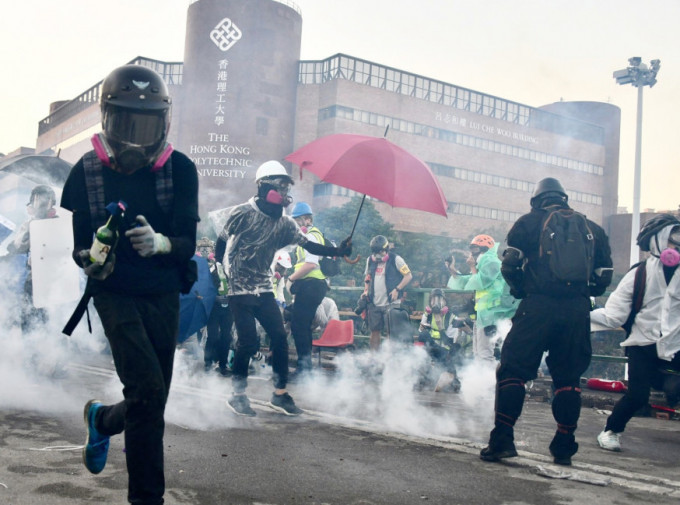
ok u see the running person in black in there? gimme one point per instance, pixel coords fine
(137, 293)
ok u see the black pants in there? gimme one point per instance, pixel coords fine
(560, 326)
(142, 332)
(308, 296)
(644, 373)
(218, 339)
(263, 307)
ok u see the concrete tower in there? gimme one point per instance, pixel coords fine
(238, 93)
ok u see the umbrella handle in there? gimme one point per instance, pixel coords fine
(357, 218)
(352, 261)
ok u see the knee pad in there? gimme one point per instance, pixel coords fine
(509, 400)
(566, 407)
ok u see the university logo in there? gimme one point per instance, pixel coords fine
(225, 34)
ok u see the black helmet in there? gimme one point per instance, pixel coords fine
(378, 243)
(654, 226)
(45, 191)
(135, 106)
(437, 292)
(547, 188)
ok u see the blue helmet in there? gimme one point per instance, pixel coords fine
(301, 209)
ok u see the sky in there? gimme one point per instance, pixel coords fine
(534, 52)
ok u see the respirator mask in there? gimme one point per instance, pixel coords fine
(276, 192)
(670, 256)
(381, 257)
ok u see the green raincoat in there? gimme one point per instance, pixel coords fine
(493, 300)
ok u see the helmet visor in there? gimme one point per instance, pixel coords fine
(135, 127)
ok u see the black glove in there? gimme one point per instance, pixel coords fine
(95, 270)
(345, 248)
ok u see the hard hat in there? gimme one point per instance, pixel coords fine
(483, 241)
(301, 209)
(271, 168)
(283, 259)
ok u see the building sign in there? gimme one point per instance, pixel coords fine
(225, 34)
(490, 129)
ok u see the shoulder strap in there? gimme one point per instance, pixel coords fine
(164, 189)
(94, 182)
(638, 294)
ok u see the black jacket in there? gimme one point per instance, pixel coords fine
(535, 277)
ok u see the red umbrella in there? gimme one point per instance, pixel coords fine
(373, 166)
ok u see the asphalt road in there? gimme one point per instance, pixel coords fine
(362, 440)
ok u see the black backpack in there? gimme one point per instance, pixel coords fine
(567, 246)
(330, 267)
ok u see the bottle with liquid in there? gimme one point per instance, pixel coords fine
(107, 235)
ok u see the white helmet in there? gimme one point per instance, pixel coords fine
(283, 259)
(271, 168)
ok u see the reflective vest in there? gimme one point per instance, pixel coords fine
(300, 254)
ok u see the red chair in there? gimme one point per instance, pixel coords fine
(338, 335)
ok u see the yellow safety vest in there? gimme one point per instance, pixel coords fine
(300, 255)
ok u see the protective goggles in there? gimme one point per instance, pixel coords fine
(674, 237)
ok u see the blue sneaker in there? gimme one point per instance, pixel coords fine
(96, 447)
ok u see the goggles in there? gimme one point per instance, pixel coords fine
(674, 237)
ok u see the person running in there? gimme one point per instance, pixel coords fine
(653, 341)
(254, 232)
(136, 291)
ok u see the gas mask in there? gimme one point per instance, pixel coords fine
(380, 257)
(136, 137)
(670, 256)
(128, 160)
(437, 306)
(275, 191)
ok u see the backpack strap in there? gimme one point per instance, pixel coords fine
(94, 182)
(638, 294)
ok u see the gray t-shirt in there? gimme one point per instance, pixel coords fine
(380, 298)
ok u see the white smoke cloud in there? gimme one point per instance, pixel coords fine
(392, 388)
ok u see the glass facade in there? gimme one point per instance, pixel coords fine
(410, 127)
(364, 72)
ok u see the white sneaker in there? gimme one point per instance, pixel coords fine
(609, 440)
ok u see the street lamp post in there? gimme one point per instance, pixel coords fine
(639, 75)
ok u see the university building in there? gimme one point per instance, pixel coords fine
(243, 96)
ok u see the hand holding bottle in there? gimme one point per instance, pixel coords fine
(96, 270)
(146, 241)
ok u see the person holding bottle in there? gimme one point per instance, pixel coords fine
(136, 291)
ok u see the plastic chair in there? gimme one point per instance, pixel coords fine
(337, 335)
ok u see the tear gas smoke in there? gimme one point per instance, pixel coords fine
(39, 366)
